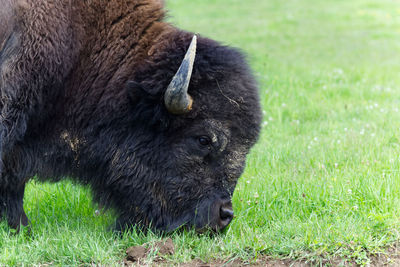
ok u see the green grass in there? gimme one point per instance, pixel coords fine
(324, 179)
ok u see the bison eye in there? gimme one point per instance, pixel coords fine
(204, 140)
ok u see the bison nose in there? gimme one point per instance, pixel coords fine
(225, 214)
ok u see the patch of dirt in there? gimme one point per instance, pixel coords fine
(137, 255)
(391, 257)
(265, 262)
(379, 261)
(165, 247)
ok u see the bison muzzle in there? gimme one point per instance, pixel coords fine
(156, 120)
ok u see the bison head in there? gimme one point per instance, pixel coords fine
(193, 123)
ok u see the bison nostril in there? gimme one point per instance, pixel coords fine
(220, 214)
(226, 213)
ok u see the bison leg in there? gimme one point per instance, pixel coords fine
(11, 206)
(12, 129)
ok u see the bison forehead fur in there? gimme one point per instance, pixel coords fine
(82, 96)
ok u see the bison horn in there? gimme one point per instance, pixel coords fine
(176, 98)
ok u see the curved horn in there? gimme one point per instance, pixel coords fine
(176, 98)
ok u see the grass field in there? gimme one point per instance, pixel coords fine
(324, 179)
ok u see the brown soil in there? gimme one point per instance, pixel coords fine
(165, 247)
(134, 254)
(137, 255)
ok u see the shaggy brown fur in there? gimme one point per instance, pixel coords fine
(7, 17)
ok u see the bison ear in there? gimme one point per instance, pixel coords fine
(147, 105)
(137, 92)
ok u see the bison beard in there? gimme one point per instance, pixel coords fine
(90, 90)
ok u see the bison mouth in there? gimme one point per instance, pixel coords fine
(214, 215)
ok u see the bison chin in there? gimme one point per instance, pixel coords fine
(214, 215)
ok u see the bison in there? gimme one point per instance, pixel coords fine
(155, 120)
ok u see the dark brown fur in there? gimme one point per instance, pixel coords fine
(7, 17)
